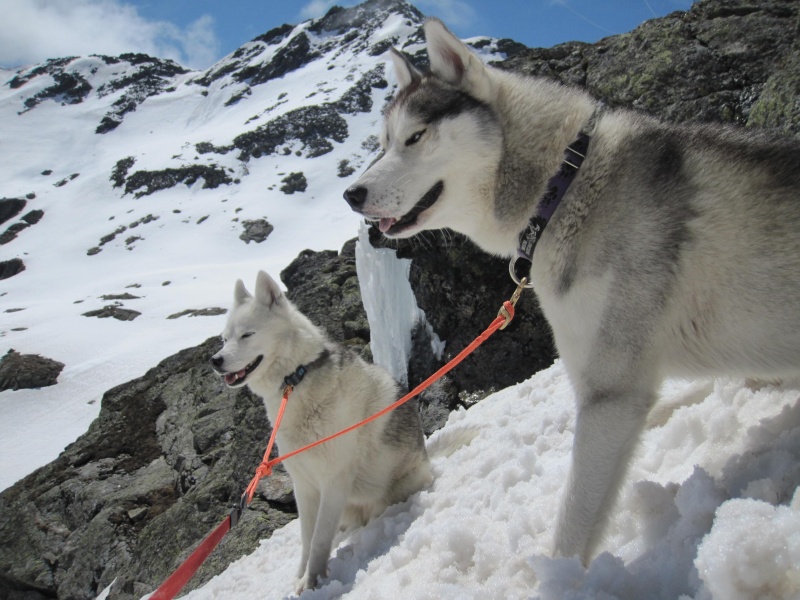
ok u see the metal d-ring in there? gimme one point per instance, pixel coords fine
(511, 271)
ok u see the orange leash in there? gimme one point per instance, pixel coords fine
(170, 588)
(265, 468)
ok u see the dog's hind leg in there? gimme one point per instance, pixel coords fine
(606, 432)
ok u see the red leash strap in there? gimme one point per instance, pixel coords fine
(175, 582)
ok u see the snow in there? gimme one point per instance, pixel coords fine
(709, 510)
(182, 261)
(692, 520)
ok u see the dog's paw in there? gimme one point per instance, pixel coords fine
(306, 582)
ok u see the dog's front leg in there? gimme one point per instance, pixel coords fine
(333, 499)
(307, 499)
(606, 432)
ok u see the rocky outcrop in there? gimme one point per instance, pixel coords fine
(730, 62)
(324, 286)
(30, 218)
(294, 182)
(9, 268)
(144, 183)
(10, 208)
(315, 127)
(27, 371)
(115, 311)
(145, 77)
(159, 468)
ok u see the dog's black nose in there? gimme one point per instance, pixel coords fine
(356, 196)
(216, 361)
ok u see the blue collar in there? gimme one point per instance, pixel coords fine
(300, 372)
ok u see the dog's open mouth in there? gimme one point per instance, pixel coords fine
(239, 377)
(392, 226)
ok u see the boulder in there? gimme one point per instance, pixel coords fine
(27, 371)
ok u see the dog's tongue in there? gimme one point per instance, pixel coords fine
(231, 378)
(386, 224)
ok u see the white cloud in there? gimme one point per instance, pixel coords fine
(35, 30)
(454, 13)
(316, 9)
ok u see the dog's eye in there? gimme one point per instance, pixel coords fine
(246, 335)
(415, 138)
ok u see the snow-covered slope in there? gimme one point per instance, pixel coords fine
(697, 519)
(147, 174)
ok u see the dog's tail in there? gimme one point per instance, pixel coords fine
(446, 441)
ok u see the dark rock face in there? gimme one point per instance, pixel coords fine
(359, 97)
(120, 171)
(148, 77)
(294, 55)
(313, 126)
(10, 208)
(28, 219)
(158, 469)
(294, 182)
(114, 311)
(27, 371)
(144, 183)
(9, 268)
(728, 62)
(324, 286)
(140, 77)
(69, 88)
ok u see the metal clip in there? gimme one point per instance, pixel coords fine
(512, 271)
(514, 299)
(238, 510)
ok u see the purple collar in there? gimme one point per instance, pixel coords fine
(557, 187)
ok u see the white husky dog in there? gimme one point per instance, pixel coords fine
(351, 479)
(671, 250)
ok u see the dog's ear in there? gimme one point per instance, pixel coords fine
(268, 292)
(454, 63)
(405, 72)
(240, 293)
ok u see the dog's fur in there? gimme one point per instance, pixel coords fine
(350, 479)
(675, 252)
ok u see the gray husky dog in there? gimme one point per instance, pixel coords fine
(671, 250)
(269, 344)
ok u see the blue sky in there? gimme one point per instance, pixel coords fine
(197, 33)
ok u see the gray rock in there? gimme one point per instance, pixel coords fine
(27, 371)
(9, 268)
(294, 182)
(256, 231)
(324, 286)
(711, 63)
(156, 472)
(10, 208)
(114, 311)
